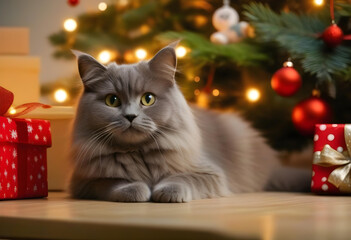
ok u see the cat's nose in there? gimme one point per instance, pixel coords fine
(130, 117)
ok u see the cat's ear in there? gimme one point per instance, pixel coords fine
(89, 68)
(164, 63)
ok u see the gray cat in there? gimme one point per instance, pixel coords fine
(136, 139)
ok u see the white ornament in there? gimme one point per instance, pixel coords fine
(224, 17)
(219, 38)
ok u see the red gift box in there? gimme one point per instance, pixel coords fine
(331, 161)
(23, 167)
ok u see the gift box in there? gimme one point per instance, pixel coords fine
(59, 164)
(331, 159)
(23, 168)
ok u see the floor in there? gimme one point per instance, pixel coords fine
(244, 216)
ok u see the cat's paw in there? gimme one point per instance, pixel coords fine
(131, 192)
(171, 192)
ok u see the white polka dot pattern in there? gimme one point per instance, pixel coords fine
(23, 173)
(332, 135)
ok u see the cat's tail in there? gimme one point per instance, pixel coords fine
(289, 179)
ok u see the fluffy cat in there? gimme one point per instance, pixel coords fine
(136, 139)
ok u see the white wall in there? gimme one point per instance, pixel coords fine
(44, 17)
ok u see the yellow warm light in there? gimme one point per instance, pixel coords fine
(140, 53)
(70, 25)
(215, 92)
(197, 79)
(104, 56)
(122, 3)
(60, 95)
(102, 6)
(253, 95)
(181, 51)
(318, 2)
(12, 110)
(197, 92)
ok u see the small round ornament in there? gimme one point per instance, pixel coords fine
(225, 17)
(286, 81)
(73, 3)
(219, 38)
(309, 112)
(333, 36)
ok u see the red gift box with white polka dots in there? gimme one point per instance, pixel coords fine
(23, 165)
(333, 135)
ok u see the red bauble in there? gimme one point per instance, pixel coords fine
(310, 112)
(333, 36)
(286, 81)
(73, 2)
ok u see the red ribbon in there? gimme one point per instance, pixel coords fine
(6, 100)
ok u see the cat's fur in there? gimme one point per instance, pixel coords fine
(170, 152)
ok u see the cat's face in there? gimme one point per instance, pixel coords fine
(130, 103)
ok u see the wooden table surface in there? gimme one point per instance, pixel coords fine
(244, 216)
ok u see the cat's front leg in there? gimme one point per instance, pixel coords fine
(188, 186)
(117, 190)
(130, 192)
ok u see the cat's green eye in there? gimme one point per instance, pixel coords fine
(148, 99)
(112, 100)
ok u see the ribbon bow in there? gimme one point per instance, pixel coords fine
(328, 157)
(6, 100)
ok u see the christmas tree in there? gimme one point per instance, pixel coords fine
(233, 68)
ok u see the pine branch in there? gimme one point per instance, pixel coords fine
(299, 35)
(205, 52)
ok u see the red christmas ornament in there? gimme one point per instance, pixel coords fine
(310, 112)
(286, 81)
(73, 3)
(332, 36)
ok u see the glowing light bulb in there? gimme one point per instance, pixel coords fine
(181, 51)
(197, 92)
(122, 3)
(70, 25)
(318, 2)
(12, 110)
(197, 79)
(253, 95)
(102, 6)
(104, 56)
(140, 53)
(60, 95)
(215, 92)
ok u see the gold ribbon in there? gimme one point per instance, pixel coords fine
(328, 157)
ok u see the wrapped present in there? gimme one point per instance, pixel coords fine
(331, 160)
(23, 144)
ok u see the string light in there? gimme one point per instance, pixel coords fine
(70, 25)
(197, 79)
(60, 95)
(215, 92)
(140, 53)
(253, 95)
(104, 56)
(102, 6)
(12, 110)
(181, 51)
(122, 3)
(197, 92)
(318, 2)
